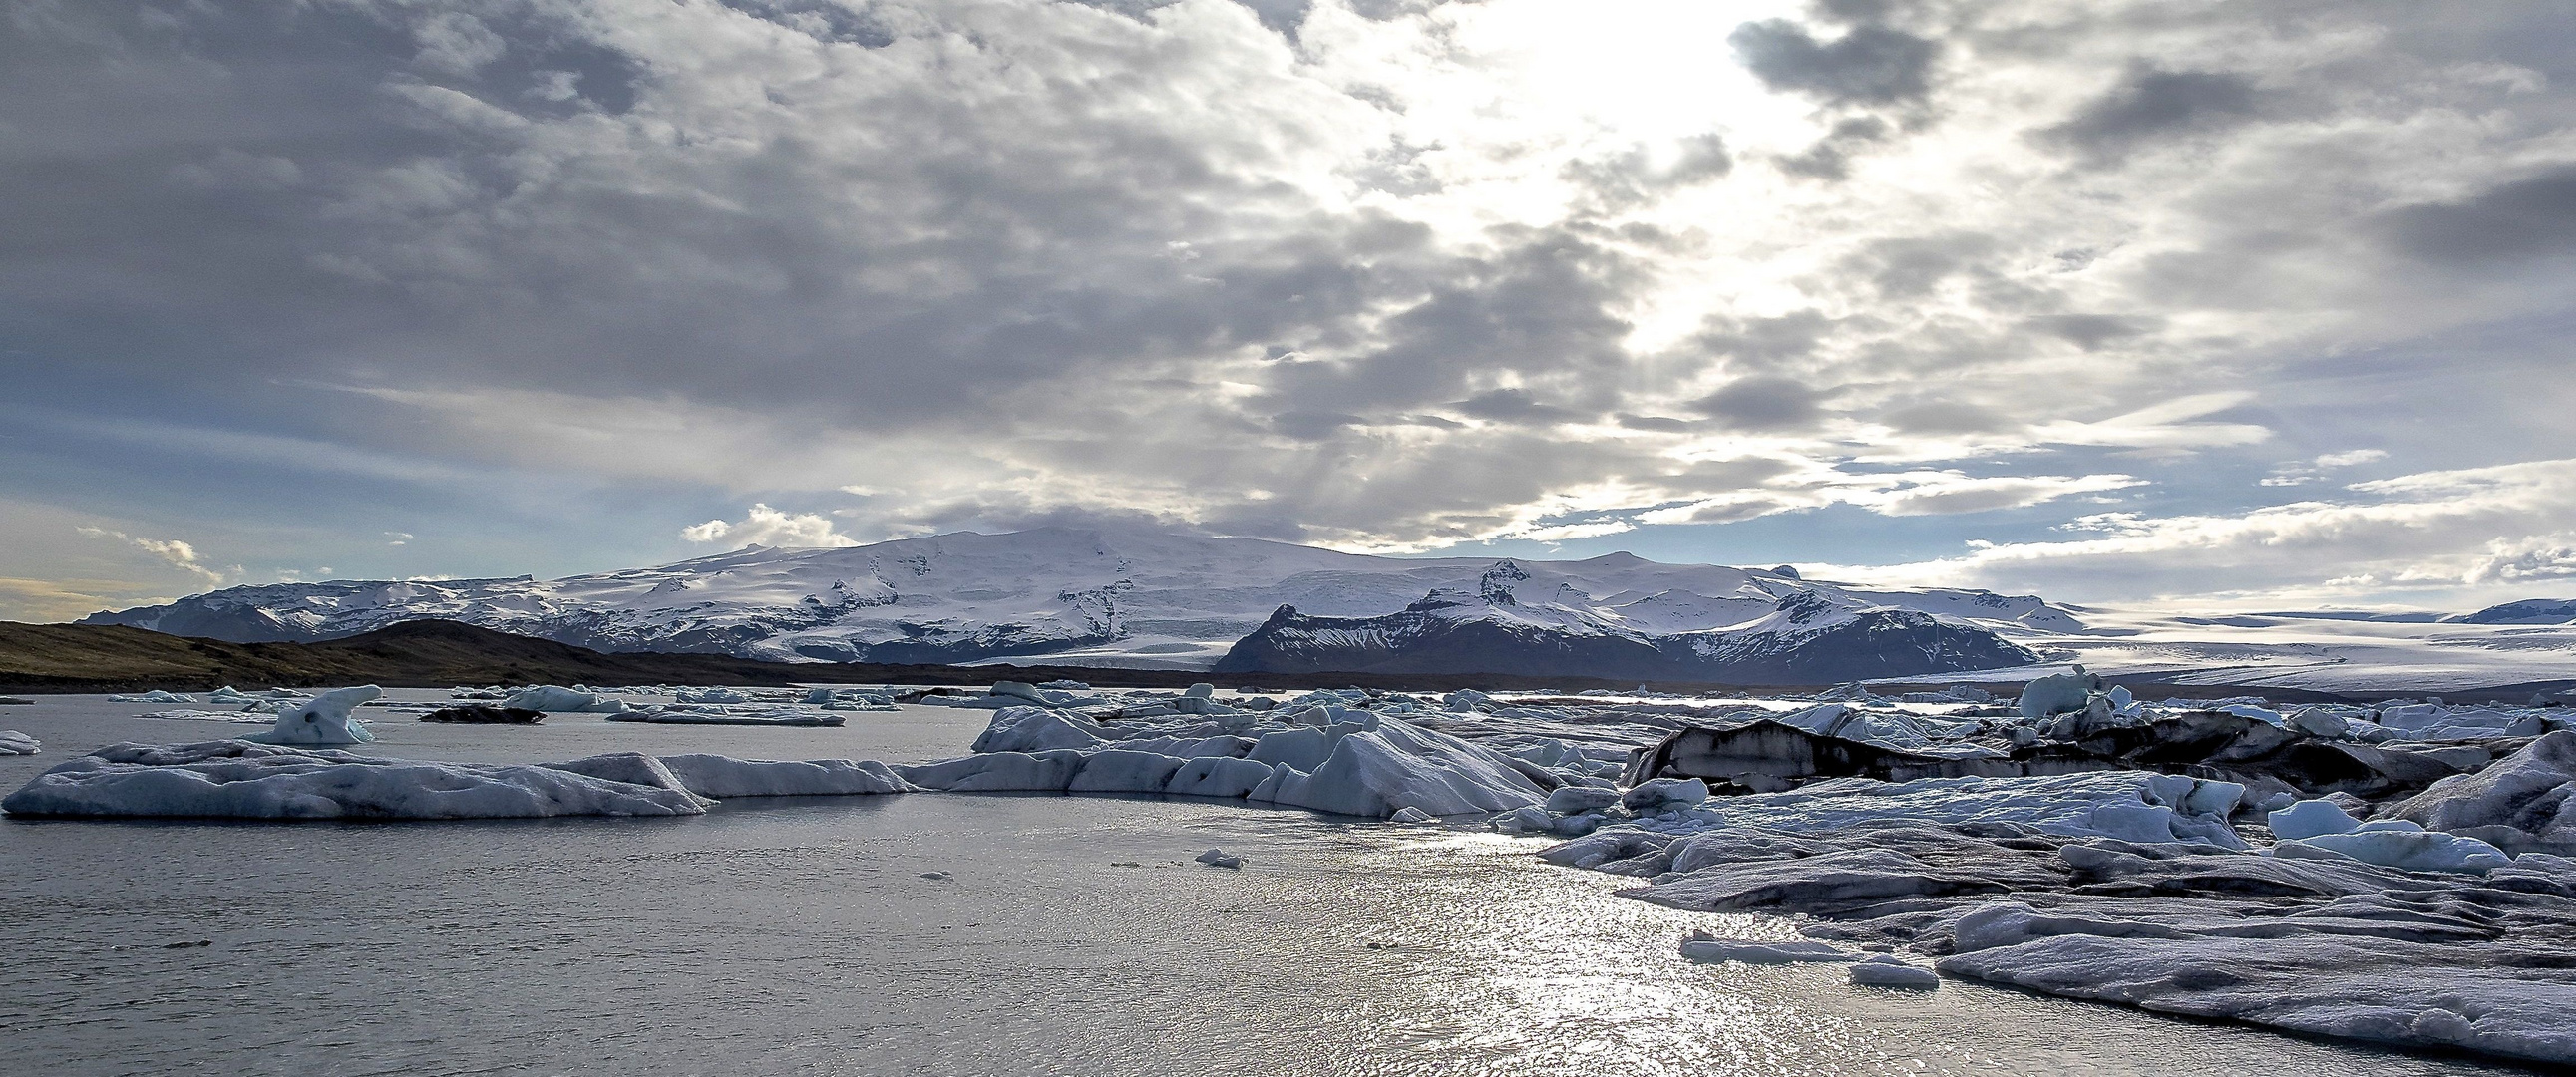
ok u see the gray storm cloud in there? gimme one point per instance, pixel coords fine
(1385, 275)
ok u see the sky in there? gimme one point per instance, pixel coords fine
(2204, 305)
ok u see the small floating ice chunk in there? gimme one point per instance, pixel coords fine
(1219, 858)
(2411, 850)
(1702, 946)
(1411, 814)
(154, 696)
(1886, 971)
(548, 697)
(1664, 793)
(323, 719)
(2309, 818)
(717, 694)
(13, 742)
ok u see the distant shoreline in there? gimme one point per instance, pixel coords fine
(74, 659)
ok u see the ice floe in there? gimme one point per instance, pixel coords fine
(723, 777)
(1324, 757)
(725, 714)
(549, 697)
(238, 779)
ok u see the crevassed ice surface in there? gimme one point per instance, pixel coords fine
(802, 937)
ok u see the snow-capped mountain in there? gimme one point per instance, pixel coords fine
(1125, 598)
(2534, 611)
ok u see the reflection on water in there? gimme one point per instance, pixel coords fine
(803, 937)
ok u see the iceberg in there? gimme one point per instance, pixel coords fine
(2411, 848)
(723, 715)
(13, 742)
(2524, 802)
(723, 777)
(2309, 818)
(238, 779)
(548, 697)
(154, 696)
(1355, 762)
(1891, 972)
(323, 719)
(1702, 946)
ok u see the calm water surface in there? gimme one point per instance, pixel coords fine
(1068, 936)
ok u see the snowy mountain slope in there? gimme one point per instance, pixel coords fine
(1805, 639)
(2535, 611)
(1102, 597)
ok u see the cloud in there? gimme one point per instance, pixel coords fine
(2430, 532)
(1764, 403)
(765, 526)
(173, 552)
(1868, 64)
(2150, 104)
(1389, 276)
(2531, 217)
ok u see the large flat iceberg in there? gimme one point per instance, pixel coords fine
(1325, 758)
(234, 779)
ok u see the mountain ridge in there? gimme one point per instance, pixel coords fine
(1079, 596)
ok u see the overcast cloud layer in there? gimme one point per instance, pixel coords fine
(2216, 304)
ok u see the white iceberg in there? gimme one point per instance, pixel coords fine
(1357, 763)
(2524, 802)
(723, 777)
(2408, 847)
(2309, 818)
(558, 699)
(1883, 971)
(236, 779)
(2140, 806)
(720, 714)
(1702, 946)
(154, 696)
(13, 742)
(323, 719)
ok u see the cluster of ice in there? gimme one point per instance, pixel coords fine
(2130, 805)
(850, 699)
(236, 779)
(13, 742)
(2428, 917)
(728, 714)
(154, 696)
(1321, 755)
